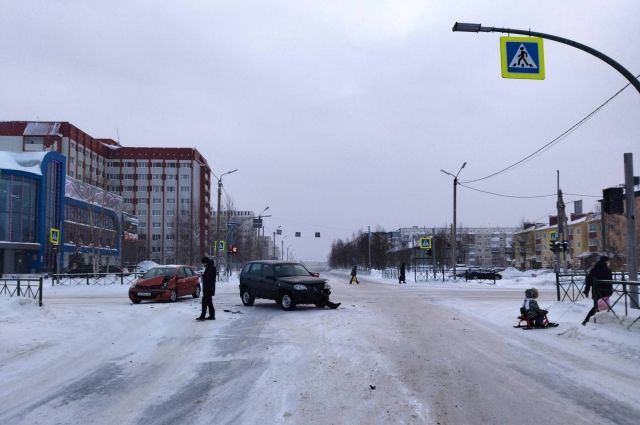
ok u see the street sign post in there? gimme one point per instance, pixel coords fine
(425, 243)
(54, 236)
(522, 57)
(220, 247)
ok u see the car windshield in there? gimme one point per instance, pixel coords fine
(284, 270)
(160, 271)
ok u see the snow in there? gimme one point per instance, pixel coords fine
(60, 337)
(22, 161)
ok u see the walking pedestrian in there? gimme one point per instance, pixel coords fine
(401, 275)
(354, 275)
(208, 289)
(600, 271)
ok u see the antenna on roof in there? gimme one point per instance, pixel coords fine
(118, 136)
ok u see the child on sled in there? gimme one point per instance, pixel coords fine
(534, 314)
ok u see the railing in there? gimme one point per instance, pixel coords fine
(94, 279)
(22, 287)
(621, 290)
(390, 273)
(571, 285)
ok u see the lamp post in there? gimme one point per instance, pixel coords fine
(277, 231)
(467, 27)
(453, 230)
(218, 213)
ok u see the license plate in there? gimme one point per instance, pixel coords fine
(144, 294)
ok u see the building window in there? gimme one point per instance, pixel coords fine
(155, 237)
(156, 164)
(185, 188)
(171, 213)
(171, 189)
(155, 213)
(157, 189)
(156, 225)
(184, 176)
(157, 200)
(171, 201)
(170, 236)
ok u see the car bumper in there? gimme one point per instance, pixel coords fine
(310, 296)
(140, 294)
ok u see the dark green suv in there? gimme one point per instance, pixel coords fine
(286, 283)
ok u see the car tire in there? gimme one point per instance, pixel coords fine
(196, 292)
(287, 302)
(246, 297)
(174, 296)
(136, 301)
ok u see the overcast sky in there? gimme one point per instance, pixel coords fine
(339, 114)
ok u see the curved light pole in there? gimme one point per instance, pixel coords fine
(633, 80)
(261, 226)
(453, 231)
(218, 213)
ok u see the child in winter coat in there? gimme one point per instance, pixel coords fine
(531, 308)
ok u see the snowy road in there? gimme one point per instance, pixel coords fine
(391, 354)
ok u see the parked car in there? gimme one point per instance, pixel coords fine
(165, 283)
(480, 273)
(286, 283)
(112, 269)
(83, 269)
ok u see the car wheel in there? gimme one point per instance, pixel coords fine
(196, 292)
(173, 296)
(247, 298)
(136, 301)
(287, 302)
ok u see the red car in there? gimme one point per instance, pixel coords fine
(165, 283)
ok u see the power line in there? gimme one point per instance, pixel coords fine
(526, 197)
(554, 141)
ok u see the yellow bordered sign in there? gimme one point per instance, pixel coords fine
(522, 57)
(54, 236)
(425, 243)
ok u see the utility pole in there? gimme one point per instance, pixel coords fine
(631, 223)
(369, 263)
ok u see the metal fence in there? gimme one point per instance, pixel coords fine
(94, 279)
(625, 292)
(22, 287)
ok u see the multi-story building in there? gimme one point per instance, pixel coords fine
(168, 189)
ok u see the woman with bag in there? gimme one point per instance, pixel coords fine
(599, 272)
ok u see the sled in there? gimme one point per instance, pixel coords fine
(525, 323)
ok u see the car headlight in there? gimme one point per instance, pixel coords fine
(327, 286)
(300, 287)
(164, 284)
(134, 284)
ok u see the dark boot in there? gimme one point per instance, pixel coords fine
(200, 318)
(211, 318)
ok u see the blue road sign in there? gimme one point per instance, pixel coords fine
(522, 57)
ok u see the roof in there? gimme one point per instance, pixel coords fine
(29, 162)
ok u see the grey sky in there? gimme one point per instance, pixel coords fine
(338, 114)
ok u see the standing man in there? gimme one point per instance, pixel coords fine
(401, 275)
(208, 289)
(354, 275)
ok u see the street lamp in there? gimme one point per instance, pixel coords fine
(279, 232)
(218, 213)
(260, 243)
(453, 231)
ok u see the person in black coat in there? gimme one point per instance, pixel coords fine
(208, 289)
(600, 271)
(401, 276)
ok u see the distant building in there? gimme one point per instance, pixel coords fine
(166, 189)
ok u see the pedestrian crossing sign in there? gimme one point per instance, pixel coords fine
(522, 57)
(425, 243)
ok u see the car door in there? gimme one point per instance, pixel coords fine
(191, 280)
(181, 282)
(254, 280)
(269, 284)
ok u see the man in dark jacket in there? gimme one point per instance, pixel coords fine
(208, 289)
(401, 275)
(354, 275)
(600, 271)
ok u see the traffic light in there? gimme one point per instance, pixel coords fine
(554, 246)
(565, 246)
(233, 249)
(613, 200)
(429, 252)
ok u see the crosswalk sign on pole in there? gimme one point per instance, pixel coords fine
(522, 57)
(425, 243)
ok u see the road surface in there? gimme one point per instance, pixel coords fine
(389, 355)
